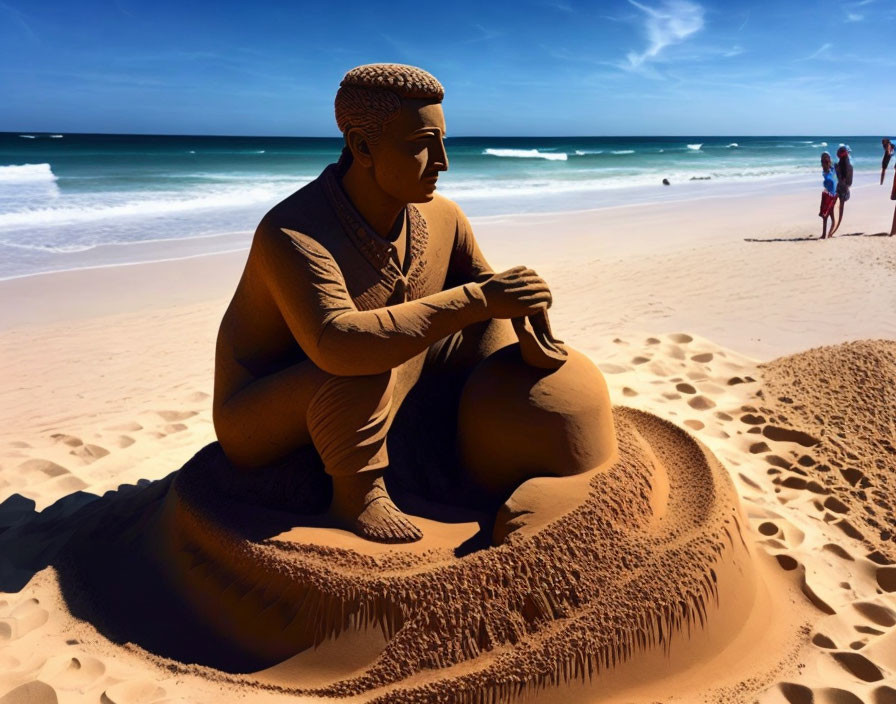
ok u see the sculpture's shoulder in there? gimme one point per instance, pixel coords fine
(300, 216)
(443, 216)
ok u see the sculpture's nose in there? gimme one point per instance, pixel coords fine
(439, 157)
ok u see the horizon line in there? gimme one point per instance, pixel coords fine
(469, 136)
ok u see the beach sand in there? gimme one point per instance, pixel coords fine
(722, 316)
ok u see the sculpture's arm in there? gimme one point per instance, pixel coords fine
(467, 263)
(537, 342)
(310, 292)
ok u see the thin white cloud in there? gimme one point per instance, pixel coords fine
(484, 34)
(733, 51)
(818, 52)
(672, 22)
(18, 18)
(854, 17)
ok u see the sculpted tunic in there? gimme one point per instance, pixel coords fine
(325, 297)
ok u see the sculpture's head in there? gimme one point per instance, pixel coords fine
(392, 121)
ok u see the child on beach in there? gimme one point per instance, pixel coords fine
(828, 195)
(843, 169)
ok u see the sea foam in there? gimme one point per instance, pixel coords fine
(527, 154)
(26, 173)
(143, 207)
(695, 147)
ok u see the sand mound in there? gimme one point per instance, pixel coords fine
(838, 405)
(593, 570)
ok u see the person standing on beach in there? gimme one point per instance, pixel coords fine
(828, 195)
(889, 147)
(844, 181)
(893, 197)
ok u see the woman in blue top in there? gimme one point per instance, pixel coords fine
(828, 195)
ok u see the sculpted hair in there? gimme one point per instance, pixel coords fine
(370, 96)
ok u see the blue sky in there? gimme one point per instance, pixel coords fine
(529, 67)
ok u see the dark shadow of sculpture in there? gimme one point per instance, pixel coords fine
(110, 576)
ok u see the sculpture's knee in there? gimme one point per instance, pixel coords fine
(348, 420)
(517, 422)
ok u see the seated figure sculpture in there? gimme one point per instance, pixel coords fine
(362, 280)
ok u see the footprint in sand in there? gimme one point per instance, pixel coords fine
(859, 666)
(133, 692)
(822, 641)
(131, 427)
(681, 338)
(50, 469)
(174, 416)
(198, 397)
(89, 453)
(124, 441)
(685, 388)
(675, 352)
(886, 578)
(837, 550)
(23, 619)
(35, 692)
(174, 428)
(752, 419)
(69, 440)
(703, 357)
(701, 403)
(883, 695)
(640, 360)
(773, 432)
(627, 391)
(835, 695)
(67, 672)
(877, 614)
(694, 424)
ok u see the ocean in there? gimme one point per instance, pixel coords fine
(75, 200)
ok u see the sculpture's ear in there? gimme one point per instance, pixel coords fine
(359, 146)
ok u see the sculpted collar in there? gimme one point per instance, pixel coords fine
(376, 250)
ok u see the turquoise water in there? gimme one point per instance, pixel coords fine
(69, 200)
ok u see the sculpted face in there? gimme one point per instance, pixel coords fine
(410, 154)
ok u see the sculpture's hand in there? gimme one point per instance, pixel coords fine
(514, 293)
(538, 346)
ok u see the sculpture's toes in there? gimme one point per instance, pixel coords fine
(383, 522)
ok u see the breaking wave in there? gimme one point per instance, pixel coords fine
(527, 154)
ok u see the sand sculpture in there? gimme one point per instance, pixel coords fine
(534, 532)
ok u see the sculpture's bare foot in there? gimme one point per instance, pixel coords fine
(362, 503)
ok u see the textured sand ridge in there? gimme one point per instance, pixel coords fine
(839, 403)
(637, 564)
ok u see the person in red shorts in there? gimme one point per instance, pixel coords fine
(828, 195)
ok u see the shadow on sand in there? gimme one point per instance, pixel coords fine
(814, 239)
(108, 567)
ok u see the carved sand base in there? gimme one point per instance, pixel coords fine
(594, 570)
